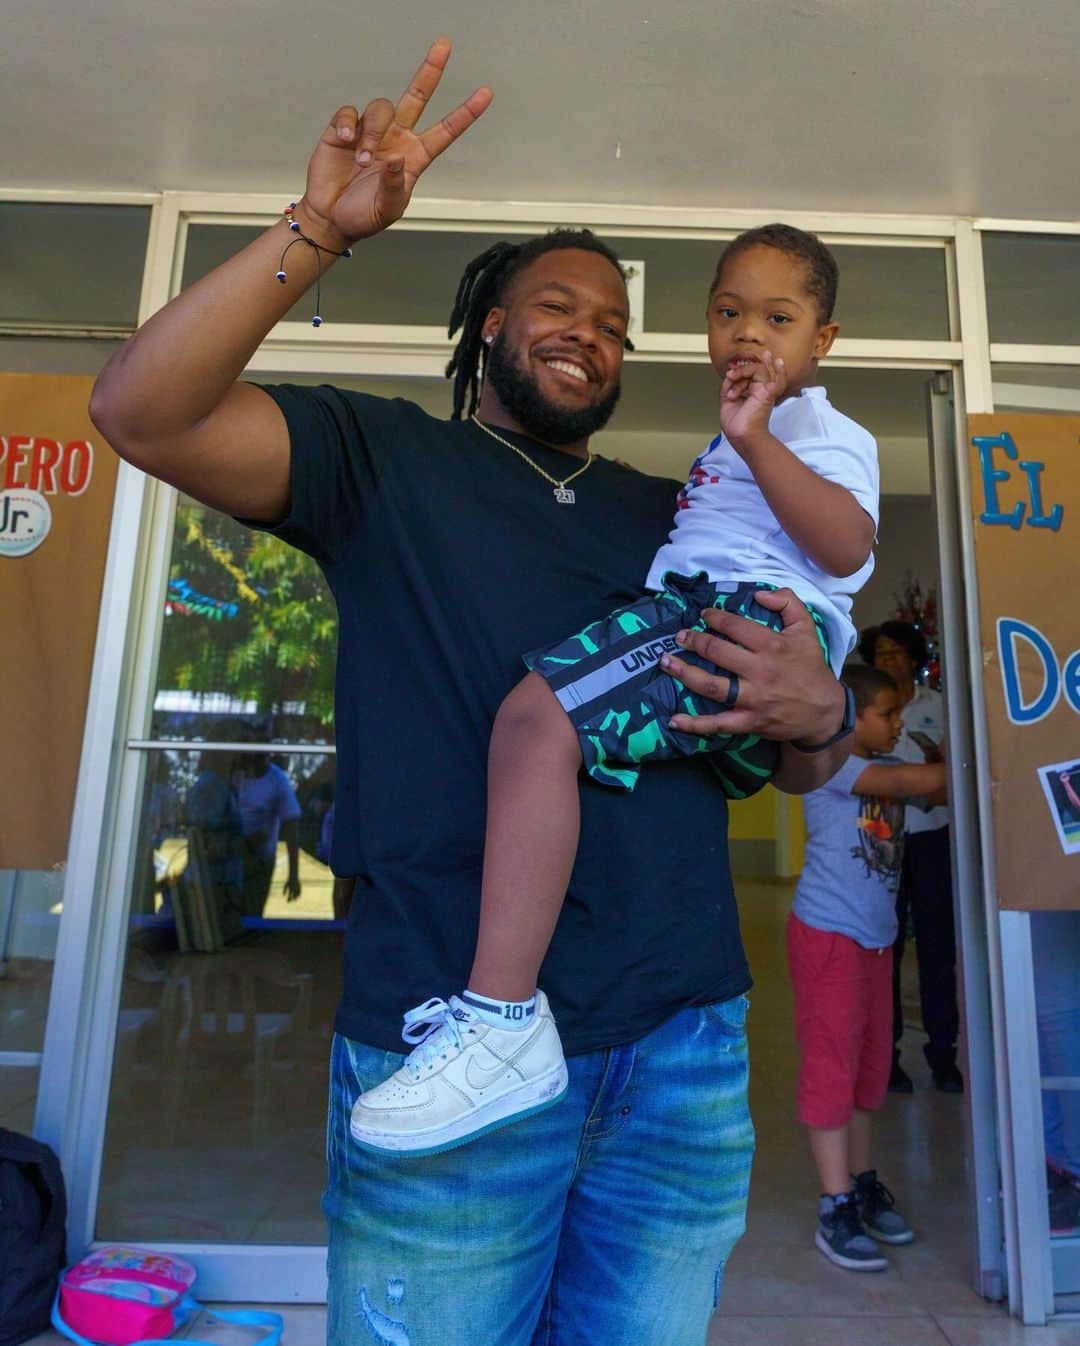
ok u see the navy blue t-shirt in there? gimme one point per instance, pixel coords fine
(449, 558)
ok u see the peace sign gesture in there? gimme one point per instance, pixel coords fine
(365, 166)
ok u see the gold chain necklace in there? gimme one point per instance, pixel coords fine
(561, 493)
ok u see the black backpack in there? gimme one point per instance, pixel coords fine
(33, 1212)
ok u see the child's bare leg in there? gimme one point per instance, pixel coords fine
(434, 1102)
(859, 1141)
(831, 1151)
(532, 835)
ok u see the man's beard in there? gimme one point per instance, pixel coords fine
(520, 395)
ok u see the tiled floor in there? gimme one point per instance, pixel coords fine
(305, 1326)
(778, 1290)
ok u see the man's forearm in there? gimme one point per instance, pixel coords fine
(290, 835)
(822, 517)
(801, 768)
(801, 772)
(180, 364)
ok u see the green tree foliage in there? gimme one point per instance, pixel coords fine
(246, 616)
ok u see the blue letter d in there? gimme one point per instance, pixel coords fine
(1009, 629)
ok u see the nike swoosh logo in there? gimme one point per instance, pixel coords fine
(479, 1077)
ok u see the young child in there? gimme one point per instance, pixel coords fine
(786, 494)
(840, 947)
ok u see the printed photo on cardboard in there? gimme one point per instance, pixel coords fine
(1061, 785)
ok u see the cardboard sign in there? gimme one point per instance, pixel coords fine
(1025, 474)
(57, 480)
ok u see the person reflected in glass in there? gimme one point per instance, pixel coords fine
(215, 842)
(326, 835)
(316, 798)
(925, 896)
(160, 821)
(269, 813)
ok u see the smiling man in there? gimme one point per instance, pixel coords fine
(582, 383)
(452, 547)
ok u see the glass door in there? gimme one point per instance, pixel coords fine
(218, 928)
(41, 296)
(216, 1109)
(30, 903)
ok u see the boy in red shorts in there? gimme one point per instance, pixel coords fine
(840, 937)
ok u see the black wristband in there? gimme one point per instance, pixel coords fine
(847, 726)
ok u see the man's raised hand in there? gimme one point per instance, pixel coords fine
(366, 164)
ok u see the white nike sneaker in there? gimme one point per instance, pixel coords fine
(465, 1078)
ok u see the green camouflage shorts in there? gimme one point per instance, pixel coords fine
(609, 680)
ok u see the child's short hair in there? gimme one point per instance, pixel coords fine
(823, 275)
(866, 684)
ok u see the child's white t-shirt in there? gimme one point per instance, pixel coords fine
(724, 526)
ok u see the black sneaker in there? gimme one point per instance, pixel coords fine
(948, 1080)
(842, 1238)
(877, 1210)
(900, 1082)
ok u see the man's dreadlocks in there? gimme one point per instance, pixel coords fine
(483, 286)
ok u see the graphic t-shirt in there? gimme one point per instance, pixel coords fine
(854, 848)
(449, 558)
(213, 812)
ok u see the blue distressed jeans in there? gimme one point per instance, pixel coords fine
(606, 1219)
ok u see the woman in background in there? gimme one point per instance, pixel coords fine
(899, 649)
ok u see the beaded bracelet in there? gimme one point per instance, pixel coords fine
(301, 237)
